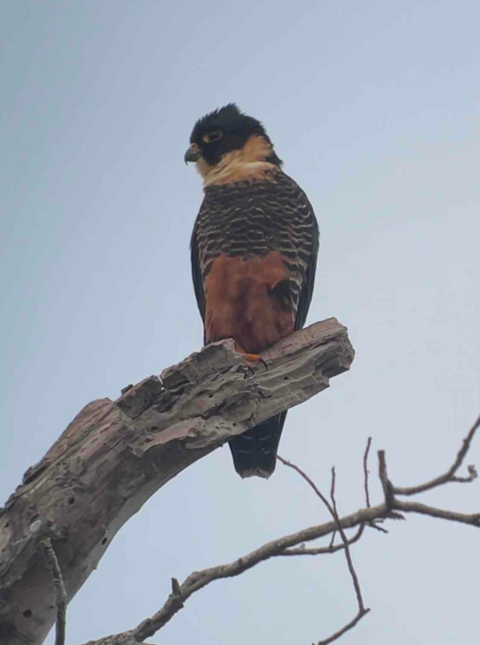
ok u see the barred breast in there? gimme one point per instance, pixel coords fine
(252, 220)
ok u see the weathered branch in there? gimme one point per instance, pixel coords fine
(366, 472)
(199, 579)
(291, 545)
(323, 550)
(116, 454)
(60, 593)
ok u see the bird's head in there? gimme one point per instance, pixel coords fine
(227, 137)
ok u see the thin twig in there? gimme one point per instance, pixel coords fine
(361, 608)
(366, 471)
(449, 476)
(283, 547)
(332, 540)
(387, 487)
(348, 556)
(60, 592)
(332, 508)
(199, 579)
(344, 629)
(303, 550)
(312, 484)
(383, 476)
(375, 525)
(472, 519)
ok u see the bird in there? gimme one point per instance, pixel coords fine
(254, 252)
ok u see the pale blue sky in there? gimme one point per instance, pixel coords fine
(374, 107)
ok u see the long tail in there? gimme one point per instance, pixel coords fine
(255, 451)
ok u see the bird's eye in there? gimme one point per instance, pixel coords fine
(214, 135)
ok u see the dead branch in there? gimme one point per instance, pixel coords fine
(117, 454)
(449, 476)
(60, 593)
(332, 548)
(390, 490)
(284, 546)
(362, 610)
(366, 472)
(199, 579)
(332, 509)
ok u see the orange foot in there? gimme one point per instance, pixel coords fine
(253, 360)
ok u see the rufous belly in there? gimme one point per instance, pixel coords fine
(248, 300)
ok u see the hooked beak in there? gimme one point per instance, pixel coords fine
(192, 154)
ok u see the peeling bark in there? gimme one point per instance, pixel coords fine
(116, 454)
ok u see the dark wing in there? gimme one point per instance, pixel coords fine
(197, 274)
(309, 281)
(301, 243)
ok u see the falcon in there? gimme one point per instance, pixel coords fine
(253, 251)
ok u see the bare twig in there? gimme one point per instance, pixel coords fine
(310, 482)
(375, 525)
(332, 540)
(303, 550)
(293, 544)
(383, 476)
(387, 487)
(60, 592)
(366, 471)
(344, 629)
(348, 556)
(472, 519)
(390, 490)
(449, 476)
(199, 579)
(361, 607)
(332, 508)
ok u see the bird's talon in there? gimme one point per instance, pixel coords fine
(254, 359)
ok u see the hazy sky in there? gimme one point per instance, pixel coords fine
(374, 106)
